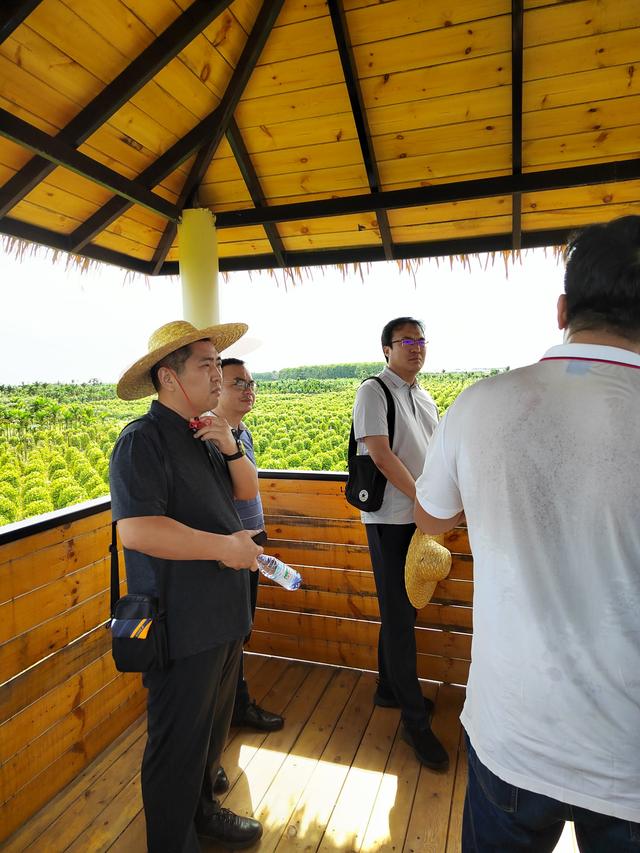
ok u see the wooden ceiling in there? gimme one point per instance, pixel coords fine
(318, 131)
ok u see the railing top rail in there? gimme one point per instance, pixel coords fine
(40, 523)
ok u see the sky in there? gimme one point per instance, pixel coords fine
(58, 324)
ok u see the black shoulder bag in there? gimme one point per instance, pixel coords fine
(138, 621)
(366, 483)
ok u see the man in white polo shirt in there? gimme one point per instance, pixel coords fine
(389, 529)
(545, 463)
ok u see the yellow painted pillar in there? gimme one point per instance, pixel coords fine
(198, 260)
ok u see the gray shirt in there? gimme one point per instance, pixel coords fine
(416, 419)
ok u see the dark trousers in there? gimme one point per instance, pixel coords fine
(242, 690)
(188, 716)
(388, 546)
(500, 817)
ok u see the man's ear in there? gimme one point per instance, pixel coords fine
(166, 379)
(562, 311)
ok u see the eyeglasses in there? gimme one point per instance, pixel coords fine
(411, 342)
(246, 385)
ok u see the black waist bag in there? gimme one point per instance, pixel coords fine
(366, 483)
(138, 634)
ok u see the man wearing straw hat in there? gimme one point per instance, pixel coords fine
(545, 463)
(173, 482)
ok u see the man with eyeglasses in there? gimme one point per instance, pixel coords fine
(389, 529)
(237, 398)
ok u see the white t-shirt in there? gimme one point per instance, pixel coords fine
(545, 461)
(416, 419)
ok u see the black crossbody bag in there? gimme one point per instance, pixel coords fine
(138, 621)
(366, 483)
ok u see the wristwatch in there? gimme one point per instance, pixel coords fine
(240, 452)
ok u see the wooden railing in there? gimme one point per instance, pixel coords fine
(334, 618)
(61, 699)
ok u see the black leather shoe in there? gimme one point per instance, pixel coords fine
(428, 749)
(383, 700)
(229, 829)
(255, 717)
(221, 782)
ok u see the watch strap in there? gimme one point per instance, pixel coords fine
(240, 452)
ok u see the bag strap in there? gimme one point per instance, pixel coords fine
(113, 548)
(391, 417)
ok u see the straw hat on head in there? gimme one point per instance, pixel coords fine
(428, 562)
(136, 383)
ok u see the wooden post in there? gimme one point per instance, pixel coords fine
(198, 253)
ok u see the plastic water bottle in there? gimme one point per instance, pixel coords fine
(279, 572)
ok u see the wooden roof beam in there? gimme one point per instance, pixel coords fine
(59, 153)
(350, 71)
(234, 137)
(121, 89)
(551, 179)
(517, 56)
(322, 257)
(207, 135)
(375, 254)
(13, 14)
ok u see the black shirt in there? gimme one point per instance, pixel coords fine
(158, 468)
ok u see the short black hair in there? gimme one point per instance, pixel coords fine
(602, 278)
(175, 361)
(392, 325)
(234, 362)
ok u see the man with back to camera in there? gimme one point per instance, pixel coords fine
(172, 493)
(545, 463)
(389, 529)
(237, 399)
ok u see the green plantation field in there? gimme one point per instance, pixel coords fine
(55, 440)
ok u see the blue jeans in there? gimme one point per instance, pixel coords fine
(501, 817)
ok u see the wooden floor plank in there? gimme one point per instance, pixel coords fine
(38, 826)
(242, 743)
(350, 816)
(112, 821)
(336, 778)
(391, 812)
(283, 795)
(454, 833)
(134, 837)
(265, 763)
(427, 832)
(90, 806)
(307, 824)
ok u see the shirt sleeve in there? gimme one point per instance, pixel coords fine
(370, 411)
(437, 489)
(137, 477)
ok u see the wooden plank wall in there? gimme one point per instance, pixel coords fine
(61, 699)
(334, 617)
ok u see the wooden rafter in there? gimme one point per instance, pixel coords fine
(243, 159)
(350, 71)
(207, 134)
(517, 61)
(167, 46)
(13, 14)
(59, 153)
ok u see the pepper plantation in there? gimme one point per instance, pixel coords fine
(55, 439)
